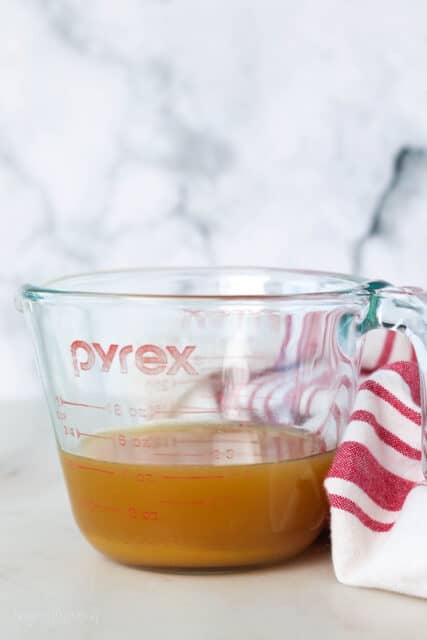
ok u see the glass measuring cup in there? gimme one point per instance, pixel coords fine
(196, 411)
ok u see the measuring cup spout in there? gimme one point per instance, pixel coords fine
(26, 292)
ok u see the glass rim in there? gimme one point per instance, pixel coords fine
(56, 287)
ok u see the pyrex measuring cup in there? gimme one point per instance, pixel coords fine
(196, 411)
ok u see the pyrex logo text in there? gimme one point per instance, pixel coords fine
(149, 358)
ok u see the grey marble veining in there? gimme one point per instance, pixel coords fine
(395, 237)
(162, 132)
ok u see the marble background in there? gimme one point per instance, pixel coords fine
(152, 132)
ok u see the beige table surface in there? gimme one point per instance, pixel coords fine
(53, 585)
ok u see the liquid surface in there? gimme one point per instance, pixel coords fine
(203, 497)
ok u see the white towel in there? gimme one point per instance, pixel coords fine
(376, 489)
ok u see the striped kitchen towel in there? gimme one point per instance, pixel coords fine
(376, 489)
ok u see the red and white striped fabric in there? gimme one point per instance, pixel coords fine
(382, 347)
(309, 375)
(376, 490)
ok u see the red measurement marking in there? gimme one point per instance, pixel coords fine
(217, 441)
(94, 435)
(193, 442)
(192, 502)
(228, 357)
(83, 404)
(217, 477)
(237, 442)
(180, 411)
(86, 468)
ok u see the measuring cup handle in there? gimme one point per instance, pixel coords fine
(405, 310)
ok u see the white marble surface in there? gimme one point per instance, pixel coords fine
(152, 132)
(52, 584)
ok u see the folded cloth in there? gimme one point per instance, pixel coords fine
(376, 489)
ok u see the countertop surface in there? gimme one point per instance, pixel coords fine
(52, 584)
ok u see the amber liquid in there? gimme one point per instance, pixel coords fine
(201, 497)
